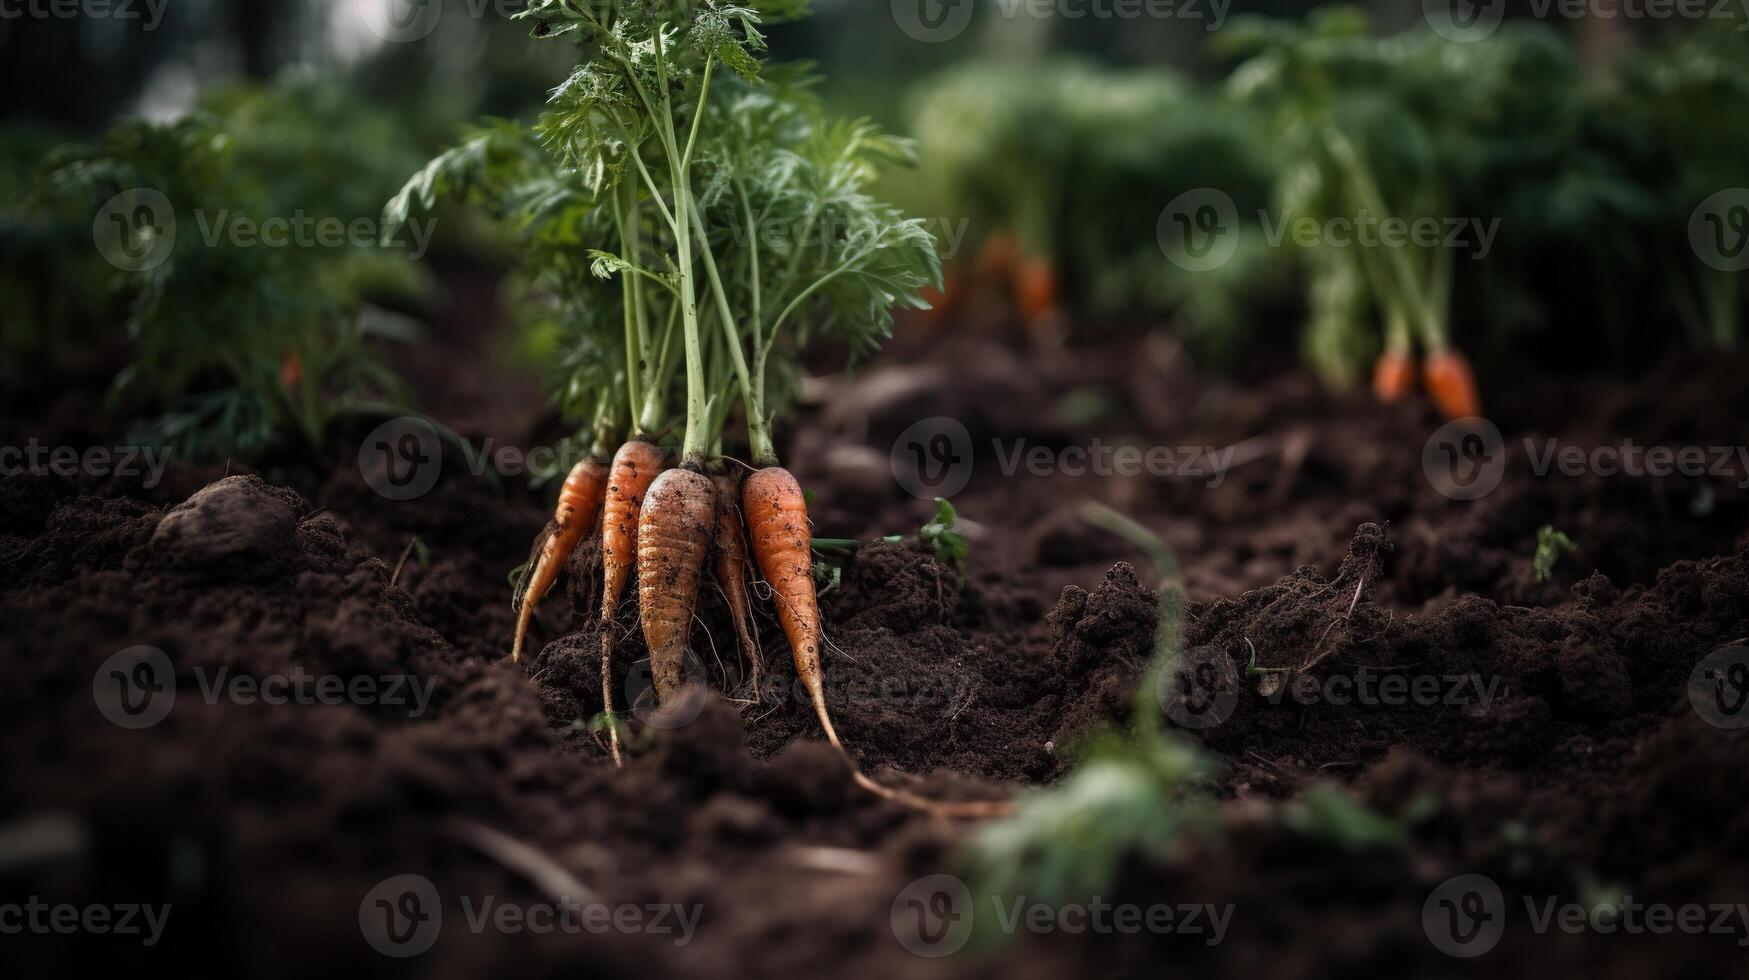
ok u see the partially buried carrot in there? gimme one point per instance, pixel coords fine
(579, 505)
(731, 569)
(675, 528)
(1035, 288)
(780, 535)
(1452, 385)
(635, 467)
(1393, 376)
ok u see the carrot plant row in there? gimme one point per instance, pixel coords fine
(1589, 181)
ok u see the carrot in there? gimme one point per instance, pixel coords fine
(291, 370)
(943, 301)
(731, 569)
(579, 505)
(1452, 384)
(635, 467)
(1393, 376)
(998, 257)
(1035, 288)
(777, 519)
(675, 528)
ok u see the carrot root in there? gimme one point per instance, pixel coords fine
(635, 467)
(1452, 384)
(1393, 376)
(731, 571)
(675, 528)
(777, 519)
(580, 501)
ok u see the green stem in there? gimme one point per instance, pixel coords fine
(1726, 294)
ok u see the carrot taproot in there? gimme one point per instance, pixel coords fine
(676, 526)
(1393, 376)
(1035, 288)
(580, 502)
(780, 536)
(731, 570)
(1452, 384)
(997, 258)
(635, 467)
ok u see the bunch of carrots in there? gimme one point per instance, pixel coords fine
(695, 218)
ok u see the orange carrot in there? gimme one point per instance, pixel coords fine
(1035, 288)
(780, 535)
(731, 569)
(997, 258)
(1393, 376)
(1452, 384)
(675, 529)
(291, 370)
(579, 505)
(635, 467)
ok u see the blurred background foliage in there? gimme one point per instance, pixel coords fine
(1052, 143)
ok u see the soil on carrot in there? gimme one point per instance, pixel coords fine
(1561, 753)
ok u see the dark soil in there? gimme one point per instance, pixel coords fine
(1571, 762)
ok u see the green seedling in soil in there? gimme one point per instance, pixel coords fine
(1132, 793)
(244, 347)
(941, 537)
(1331, 816)
(1550, 546)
